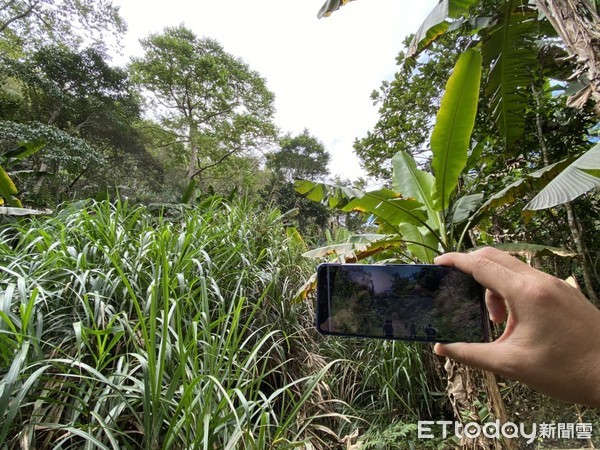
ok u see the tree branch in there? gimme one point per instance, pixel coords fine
(216, 163)
(24, 14)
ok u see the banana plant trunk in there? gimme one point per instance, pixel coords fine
(464, 386)
(577, 23)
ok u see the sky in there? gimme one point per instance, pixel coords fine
(322, 72)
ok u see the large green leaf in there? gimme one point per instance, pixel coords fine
(420, 242)
(454, 124)
(25, 149)
(465, 207)
(8, 190)
(330, 6)
(522, 186)
(389, 209)
(509, 52)
(575, 180)
(436, 25)
(531, 250)
(410, 181)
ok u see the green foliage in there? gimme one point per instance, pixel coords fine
(407, 105)
(86, 111)
(301, 156)
(120, 329)
(35, 22)
(575, 180)
(205, 98)
(450, 139)
(509, 50)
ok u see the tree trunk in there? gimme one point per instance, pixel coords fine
(577, 23)
(193, 161)
(580, 246)
(464, 386)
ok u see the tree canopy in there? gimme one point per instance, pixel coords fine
(34, 22)
(204, 97)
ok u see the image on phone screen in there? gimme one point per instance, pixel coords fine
(407, 302)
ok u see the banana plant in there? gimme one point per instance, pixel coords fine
(421, 207)
(508, 40)
(424, 214)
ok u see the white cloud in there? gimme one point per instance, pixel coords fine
(321, 71)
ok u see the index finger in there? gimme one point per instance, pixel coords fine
(504, 259)
(489, 273)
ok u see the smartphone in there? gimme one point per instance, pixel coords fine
(409, 302)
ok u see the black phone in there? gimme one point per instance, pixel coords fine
(409, 302)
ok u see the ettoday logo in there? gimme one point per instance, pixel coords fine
(496, 430)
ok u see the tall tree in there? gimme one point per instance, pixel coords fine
(208, 99)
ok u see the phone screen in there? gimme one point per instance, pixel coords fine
(407, 302)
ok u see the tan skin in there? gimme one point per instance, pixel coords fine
(551, 341)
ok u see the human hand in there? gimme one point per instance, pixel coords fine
(552, 337)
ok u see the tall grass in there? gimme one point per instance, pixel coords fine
(120, 329)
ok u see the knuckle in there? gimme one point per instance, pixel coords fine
(486, 252)
(541, 289)
(481, 260)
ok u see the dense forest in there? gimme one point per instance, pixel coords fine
(159, 234)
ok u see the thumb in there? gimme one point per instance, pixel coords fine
(479, 355)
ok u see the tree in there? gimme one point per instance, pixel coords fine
(299, 157)
(35, 22)
(206, 98)
(86, 113)
(407, 106)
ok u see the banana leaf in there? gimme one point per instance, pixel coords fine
(578, 178)
(531, 250)
(389, 209)
(510, 52)
(357, 247)
(421, 242)
(465, 206)
(436, 25)
(410, 181)
(330, 6)
(25, 149)
(455, 120)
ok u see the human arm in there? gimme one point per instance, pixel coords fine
(551, 341)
